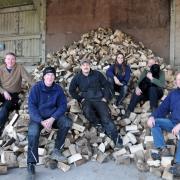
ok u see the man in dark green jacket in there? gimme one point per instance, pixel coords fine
(149, 87)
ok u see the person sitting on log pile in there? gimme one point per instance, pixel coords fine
(11, 75)
(47, 106)
(149, 87)
(118, 76)
(91, 89)
(167, 118)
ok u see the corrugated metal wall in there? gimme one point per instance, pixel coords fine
(20, 32)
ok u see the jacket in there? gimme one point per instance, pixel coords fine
(170, 106)
(124, 79)
(92, 87)
(45, 102)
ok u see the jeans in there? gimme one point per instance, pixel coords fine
(6, 107)
(167, 125)
(63, 124)
(98, 112)
(153, 95)
(122, 90)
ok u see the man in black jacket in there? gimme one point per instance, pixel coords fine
(91, 89)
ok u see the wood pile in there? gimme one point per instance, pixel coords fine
(85, 142)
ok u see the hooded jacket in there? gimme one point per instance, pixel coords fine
(45, 102)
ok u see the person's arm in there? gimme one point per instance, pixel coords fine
(61, 105)
(163, 109)
(142, 76)
(110, 72)
(161, 81)
(127, 75)
(73, 89)
(33, 105)
(25, 75)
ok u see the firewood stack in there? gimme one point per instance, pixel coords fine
(85, 142)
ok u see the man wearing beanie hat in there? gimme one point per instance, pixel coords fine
(47, 106)
(91, 89)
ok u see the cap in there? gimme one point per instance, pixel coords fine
(49, 69)
(85, 61)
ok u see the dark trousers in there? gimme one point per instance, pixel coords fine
(98, 112)
(122, 90)
(153, 95)
(6, 107)
(63, 124)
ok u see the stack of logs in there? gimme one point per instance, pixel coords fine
(84, 142)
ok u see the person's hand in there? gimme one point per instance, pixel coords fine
(138, 91)
(117, 82)
(47, 124)
(151, 122)
(176, 130)
(149, 76)
(7, 96)
(104, 100)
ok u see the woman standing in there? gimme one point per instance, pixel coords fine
(118, 76)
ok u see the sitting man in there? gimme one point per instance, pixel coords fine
(149, 87)
(91, 89)
(47, 106)
(158, 121)
(11, 75)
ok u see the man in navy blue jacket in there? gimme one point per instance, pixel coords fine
(159, 122)
(91, 89)
(47, 106)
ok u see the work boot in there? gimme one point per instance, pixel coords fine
(127, 114)
(175, 170)
(119, 142)
(162, 152)
(56, 155)
(31, 171)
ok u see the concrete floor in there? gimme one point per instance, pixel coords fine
(88, 171)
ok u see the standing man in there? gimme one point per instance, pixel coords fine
(11, 75)
(149, 87)
(159, 121)
(47, 106)
(91, 89)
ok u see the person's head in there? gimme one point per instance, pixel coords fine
(151, 62)
(120, 58)
(10, 60)
(49, 75)
(85, 66)
(177, 81)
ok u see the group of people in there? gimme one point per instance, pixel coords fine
(47, 103)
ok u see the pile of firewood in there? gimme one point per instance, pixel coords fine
(85, 142)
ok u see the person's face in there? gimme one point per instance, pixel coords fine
(151, 62)
(177, 81)
(85, 67)
(49, 79)
(120, 59)
(10, 61)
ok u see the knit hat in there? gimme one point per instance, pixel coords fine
(49, 69)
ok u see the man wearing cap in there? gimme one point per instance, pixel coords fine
(11, 75)
(47, 106)
(91, 89)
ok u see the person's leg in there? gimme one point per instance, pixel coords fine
(154, 94)
(111, 85)
(160, 125)
(90, 113)
(33, 142)
(106, 121)
(123, 91)
(63, 124)
(177, 156)
(133, 102)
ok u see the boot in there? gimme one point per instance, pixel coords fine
(56, 155)
(175, 170)
(31, 171)
(162, 152)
